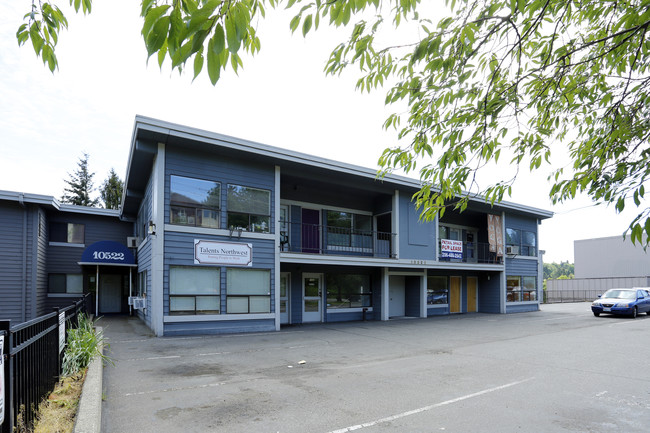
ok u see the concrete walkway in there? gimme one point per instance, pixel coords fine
(538, 371)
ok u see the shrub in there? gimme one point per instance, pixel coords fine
(83, 344)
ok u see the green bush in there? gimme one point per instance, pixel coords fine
(82, 346)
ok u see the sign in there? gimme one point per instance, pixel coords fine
(2, 380)
(107, 253)
(61, 331)
(451, 249)
(495, 234)
(222, 253)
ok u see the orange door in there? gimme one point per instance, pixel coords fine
(472, 283)
(454, 295)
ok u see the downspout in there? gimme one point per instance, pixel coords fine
(23, 298)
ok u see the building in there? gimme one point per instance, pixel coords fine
(230, 235)
(602, 264)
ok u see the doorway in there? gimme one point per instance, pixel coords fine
(397, 296)
(110, 293)
(472, 294)
(310, 231)
(454, 294)
(312, 306)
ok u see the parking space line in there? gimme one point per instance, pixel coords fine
(427, 408)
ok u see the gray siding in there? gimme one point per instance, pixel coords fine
(12, 250)
(417, 238)
(41, 262)
(221, 327)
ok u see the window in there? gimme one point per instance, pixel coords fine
(194, 202)
(69, 233)
(521, 289)
(65, 283)
(348, 291)
(437, 290)
(521, 242)
(248, 291)
(345, 229)
(142, 284)
(249, 208)
(194, 290)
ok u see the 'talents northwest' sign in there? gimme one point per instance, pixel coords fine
(222, 253)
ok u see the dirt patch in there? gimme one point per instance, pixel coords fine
(57, 413)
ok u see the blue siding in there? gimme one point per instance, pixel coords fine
(41, 262)
(521, 267)
(521, 222)
(437, 311)
(522, 308)
(489, 297)
(219, 327)
(11, 260)
(417, 238)
(412, 293)
(296, 296)
(346, 317)
(179, 250)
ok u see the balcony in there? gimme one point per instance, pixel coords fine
(319, 239)
(471, 252)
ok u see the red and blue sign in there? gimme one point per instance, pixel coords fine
(107, 253)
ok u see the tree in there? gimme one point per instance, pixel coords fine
(111, 191)
(492, 78)
(80, 185)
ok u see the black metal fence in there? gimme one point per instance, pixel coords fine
(32, 357)
(557, 296)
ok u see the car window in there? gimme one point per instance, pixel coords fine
(619, 294)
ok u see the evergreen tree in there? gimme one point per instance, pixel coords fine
(111, 191)
(80, 185)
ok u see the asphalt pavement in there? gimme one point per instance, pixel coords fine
(556, 370)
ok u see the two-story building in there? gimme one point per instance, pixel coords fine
(218, 234)
(238, 236)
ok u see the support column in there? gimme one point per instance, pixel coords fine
(385, 296)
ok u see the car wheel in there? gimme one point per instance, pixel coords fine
(634, 313)
(598, 314)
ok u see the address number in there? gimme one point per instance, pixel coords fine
(107, 255)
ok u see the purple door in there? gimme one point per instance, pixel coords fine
(310, 231)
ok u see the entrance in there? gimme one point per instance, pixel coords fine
(284, 297)
(110, 293)
(472, 285)
(310, 231)
(454, 294)
(312, 310)
(397, 296)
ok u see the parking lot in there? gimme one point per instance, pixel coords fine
(557, 370)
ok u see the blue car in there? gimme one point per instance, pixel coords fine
(627, 302)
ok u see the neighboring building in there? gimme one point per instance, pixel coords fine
(605, 263)
(236, 236)
(41, 246)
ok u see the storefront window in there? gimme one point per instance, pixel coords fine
(194, 290)
(437, 290)
(348, 291)
(248, 291)
(521, 289)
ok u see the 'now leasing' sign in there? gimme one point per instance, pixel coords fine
(222, 253)
(451, 249)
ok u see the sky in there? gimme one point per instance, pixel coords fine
(281, 98)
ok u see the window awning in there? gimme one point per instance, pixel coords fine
(107, 253)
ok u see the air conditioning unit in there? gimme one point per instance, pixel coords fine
(139, 303)
(512, 249)
(132, 242)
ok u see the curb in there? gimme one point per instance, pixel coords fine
(89, 412)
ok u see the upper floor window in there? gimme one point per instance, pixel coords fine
(521, 242)
(70, 233)
(194, 202)
(346, 229)
(249, 208)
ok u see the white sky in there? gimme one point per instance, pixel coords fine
(281, 98)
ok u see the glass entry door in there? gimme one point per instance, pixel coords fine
(284, 298)
(312, 310)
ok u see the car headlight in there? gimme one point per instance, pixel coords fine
(596, 304)
(621, 304)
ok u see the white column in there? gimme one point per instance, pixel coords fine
(385, 297)
(276, 226)
(395, 223)
(423, 295)
(157, 240)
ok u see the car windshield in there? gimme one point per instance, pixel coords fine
(620, 294)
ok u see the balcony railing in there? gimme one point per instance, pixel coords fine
(319, 239)
(471, 252)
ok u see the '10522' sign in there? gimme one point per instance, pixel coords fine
(107, 253)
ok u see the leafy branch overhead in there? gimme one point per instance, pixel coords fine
(481, 80)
